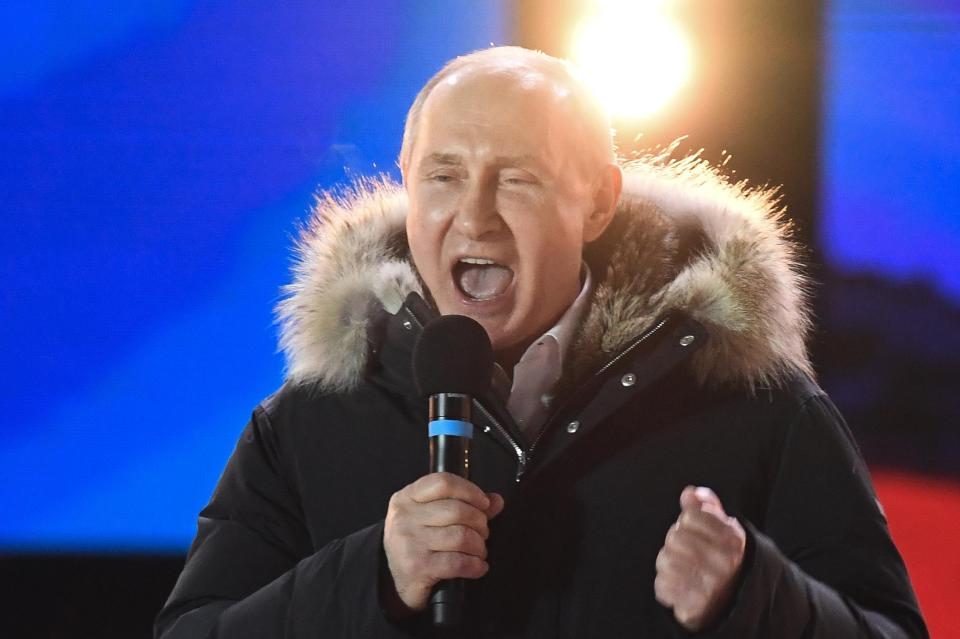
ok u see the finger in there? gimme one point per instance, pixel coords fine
(683, 546)
(451, 512)
(690, 614)
(691, 559)
(713, 509)
(662, 563)
(707, 496)
(686, 552)
(693, 497)
(457, 539)
(665, 590)
(707, 522)
(451, 565)
(706, 542)
(717, 531)
(731, 524)
(669, 562)
(689, 526)
(671, 588)
(496, 505)
(685, 561)
(688, 498)
(448, 486)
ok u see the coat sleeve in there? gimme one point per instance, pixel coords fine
(252, 570)
(822, 564)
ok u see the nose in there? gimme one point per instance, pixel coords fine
(477, 216)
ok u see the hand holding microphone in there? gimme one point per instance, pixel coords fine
(436, 528)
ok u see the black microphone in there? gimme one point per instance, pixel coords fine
(452, 364)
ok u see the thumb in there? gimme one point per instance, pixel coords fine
(695, 497)
(496, 505)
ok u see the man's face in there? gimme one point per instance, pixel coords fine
(498, 201)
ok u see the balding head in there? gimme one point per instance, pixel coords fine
(555, 80)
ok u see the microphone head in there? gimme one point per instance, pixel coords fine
(453, 355)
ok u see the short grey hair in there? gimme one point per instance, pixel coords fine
(591, 119)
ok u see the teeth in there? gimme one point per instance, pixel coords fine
(476, 260)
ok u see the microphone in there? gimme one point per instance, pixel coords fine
(452, 364)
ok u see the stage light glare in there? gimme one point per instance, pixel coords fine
(633, 55)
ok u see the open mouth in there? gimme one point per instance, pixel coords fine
(480, 279)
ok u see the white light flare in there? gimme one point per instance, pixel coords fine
(633, 55)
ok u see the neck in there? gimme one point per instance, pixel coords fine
(508, 357)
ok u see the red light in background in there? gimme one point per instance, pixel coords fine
(924, 518)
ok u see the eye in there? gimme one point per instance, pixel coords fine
(518, 179)
(442, 177)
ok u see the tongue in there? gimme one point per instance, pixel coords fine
(484, 281)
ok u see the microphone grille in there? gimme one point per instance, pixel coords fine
(453, 355)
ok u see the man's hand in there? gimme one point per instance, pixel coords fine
(700, 560)
(436, 529)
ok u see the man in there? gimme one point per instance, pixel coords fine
(654, 460)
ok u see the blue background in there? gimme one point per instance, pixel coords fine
(154, 158)
(890, 199)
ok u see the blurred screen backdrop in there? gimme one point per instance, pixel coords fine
(156, 157)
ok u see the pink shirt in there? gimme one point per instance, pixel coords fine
(538, 371)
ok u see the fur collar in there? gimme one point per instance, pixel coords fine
(683, 238)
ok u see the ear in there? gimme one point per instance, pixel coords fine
(606, 195)
(403, 173)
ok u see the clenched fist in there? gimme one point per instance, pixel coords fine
(698, 565)
(436, 529)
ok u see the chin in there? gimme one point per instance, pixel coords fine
(503, 339)
(500, 339)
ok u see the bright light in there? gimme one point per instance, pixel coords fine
(633, 55)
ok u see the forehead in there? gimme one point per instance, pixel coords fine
(513, 109)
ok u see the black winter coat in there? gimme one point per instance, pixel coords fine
(662, 393)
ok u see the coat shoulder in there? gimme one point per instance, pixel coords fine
(294, 406)
(772, 409)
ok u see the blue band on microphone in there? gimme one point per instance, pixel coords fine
(451, 427)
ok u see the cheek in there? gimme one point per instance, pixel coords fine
(549, 240)
(419, 240)
(425, 233)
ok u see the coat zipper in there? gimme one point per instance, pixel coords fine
(517, 448)
(623, 353)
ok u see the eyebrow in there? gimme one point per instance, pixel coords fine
(444, 158)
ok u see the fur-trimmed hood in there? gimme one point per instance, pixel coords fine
(683, 238)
